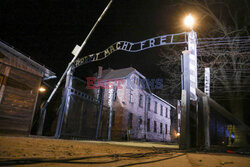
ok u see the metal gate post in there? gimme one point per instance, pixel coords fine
(63, 113)
(185, 103)
(206, 119)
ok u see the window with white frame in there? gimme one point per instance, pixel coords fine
(140, 100)
(115, 93)
(161, 110)
(155, 126)
(166, 114)
(160, 127)
(131, 96)
(155, 107)
(149, 103)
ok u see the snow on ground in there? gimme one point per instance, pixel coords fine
(27, 151)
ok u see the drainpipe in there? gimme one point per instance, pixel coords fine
(110, 102)
(146, 117)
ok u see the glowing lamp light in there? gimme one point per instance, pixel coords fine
(42, 89)
(189, 21)
(178, 134)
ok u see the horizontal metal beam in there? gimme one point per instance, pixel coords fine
(83, 95)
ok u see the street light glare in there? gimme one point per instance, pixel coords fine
(189, 21)
(42, 89)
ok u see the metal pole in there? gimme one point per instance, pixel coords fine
(76, 53)
(146, 117)
(100, 98)
(192, 48)
(64, 111)
(185, 103)
(206, 118)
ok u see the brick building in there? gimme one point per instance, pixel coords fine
(137, 112)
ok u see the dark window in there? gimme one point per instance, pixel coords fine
(155, 126)
(136, 80)
(155, 107)
(148, 125)
(149, 103)
(130, 120)
(160, 127)
(166, 128)
(115, 93)
(140, 100)
(139, 122)
(161, 110)
(166, 112)
(142, 83)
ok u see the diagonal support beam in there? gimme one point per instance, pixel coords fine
(223, 111)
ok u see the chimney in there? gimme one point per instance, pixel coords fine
(99, 74)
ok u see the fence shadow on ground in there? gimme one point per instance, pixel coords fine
(113, 158)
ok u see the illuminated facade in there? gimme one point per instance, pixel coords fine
(138, 114)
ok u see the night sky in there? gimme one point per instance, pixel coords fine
(47, 31)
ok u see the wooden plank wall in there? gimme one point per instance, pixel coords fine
(18, 101)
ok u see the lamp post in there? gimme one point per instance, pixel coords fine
(189, 83)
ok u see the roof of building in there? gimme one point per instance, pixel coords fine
(115, 74)
(8, 51)
(163, 100)
(124, 72)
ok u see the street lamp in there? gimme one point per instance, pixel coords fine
(42, 89)
(189, 21)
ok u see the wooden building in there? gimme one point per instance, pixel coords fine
(20, 79)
